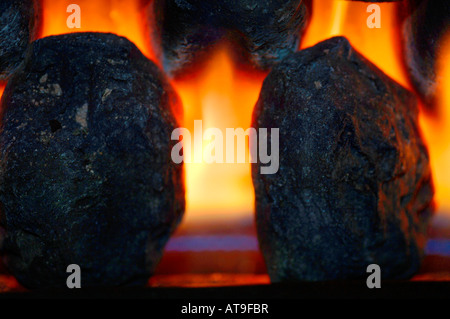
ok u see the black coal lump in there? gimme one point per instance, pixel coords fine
(425, 24)
(19, 21)
(86, 172)
(354, 184)
(262, 32)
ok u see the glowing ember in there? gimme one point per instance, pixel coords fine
(381, 46)
(437, 132)
(223, 98)
(2, 88)
(124, 18)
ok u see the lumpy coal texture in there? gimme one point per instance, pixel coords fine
(86, 172)
(354, 184)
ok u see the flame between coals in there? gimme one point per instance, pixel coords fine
(222, 97)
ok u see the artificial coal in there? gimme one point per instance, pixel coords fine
(262, 32)
(425, 23)
(18, 28)
(86, 170)
(354, 184)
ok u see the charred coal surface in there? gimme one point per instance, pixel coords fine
(18, 28)
(354, 185)
(425, 23)
(262, 32)
(86, 170)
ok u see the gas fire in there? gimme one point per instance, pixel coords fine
(223, 96)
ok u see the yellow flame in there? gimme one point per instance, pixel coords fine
(340, 12)
(222, 97)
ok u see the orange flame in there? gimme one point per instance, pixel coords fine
(222, 97)
(437, 131)
(122, 17)
(381, 46)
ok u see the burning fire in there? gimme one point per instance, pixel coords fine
(223, 97)
(219, 94)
